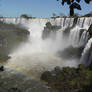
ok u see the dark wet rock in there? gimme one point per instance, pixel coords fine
(90, 30)
(83, 22)
(14, 90)
(50, 31)
(81, 31)
(70, 52)
(75, 21)
(1, 68)
(48, 25)
(66, 32)
(64, 22)
(46, 33)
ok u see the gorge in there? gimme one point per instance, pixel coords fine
(66, 44)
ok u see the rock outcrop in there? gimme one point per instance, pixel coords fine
(10, 37)
(50, 29)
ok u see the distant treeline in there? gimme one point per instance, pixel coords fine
(61, 15)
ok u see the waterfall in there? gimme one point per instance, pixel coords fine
(78, 37)
(87, 53)
(37, 55)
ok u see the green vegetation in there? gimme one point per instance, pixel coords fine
(10, 37)
(25, 16)
(69, 79)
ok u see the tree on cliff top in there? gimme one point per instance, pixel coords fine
(25, 16)
(73, 4)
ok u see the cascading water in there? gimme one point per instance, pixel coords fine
(38, 55)
(78, 37)
(87, 54)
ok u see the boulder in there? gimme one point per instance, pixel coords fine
(1, 68)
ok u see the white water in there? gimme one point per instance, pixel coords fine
(75, 38)
(87, 54)
(38, 55)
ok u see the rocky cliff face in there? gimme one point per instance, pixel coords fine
(10, 37)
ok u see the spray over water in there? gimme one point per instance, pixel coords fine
(38, 55)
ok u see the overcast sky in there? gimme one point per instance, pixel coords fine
(37, 8)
